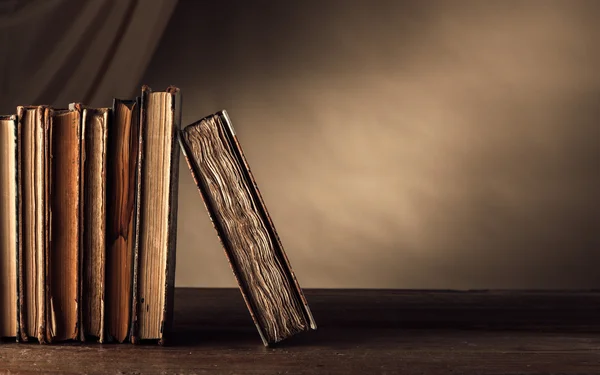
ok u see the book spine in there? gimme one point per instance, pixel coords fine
(136, 126)
(105, 129)
(175, 114)
(41, 129)
(82, 206)
(16, 215)
(79, 332)
(21, 335)
(134, 336)
(63, 180)
(110, 219)
(44, 330)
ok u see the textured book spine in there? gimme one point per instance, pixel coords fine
(39, 128)
(21, 327)
(64, 244)
(105, 129)
(19, 214)
(229, 130)
(82, 156)
(286, 268)
(94, 123)
(137, 122)
(44, 325)
(48, 330)
(167, 308)
(16, 213)
(134, 335)
(122, 169)
(175, 114)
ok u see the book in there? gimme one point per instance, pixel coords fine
(89, 225)
(33, 125)
(63, 252)
(94, 133)
(9, 229)
(156, 229)
(122, 212)
(240, 217)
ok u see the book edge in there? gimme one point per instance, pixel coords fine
(288, 267)
(170, 264)
(194, 169)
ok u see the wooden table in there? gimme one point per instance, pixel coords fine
(360, 332)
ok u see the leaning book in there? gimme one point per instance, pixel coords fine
(256, 255)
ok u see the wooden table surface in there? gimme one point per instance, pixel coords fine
(360, 332)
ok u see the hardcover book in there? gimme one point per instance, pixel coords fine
(33, 124)
(9, 229)
(63, 252)
(156, 229)
(122, 215)
(240, 217)
(94, 132)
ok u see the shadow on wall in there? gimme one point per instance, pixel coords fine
(402, 144)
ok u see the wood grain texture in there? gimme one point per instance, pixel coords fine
(361, 332)
(65, 192)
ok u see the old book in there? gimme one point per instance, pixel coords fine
(154, 268)
(122, 211)
(236, 208)
(65, 226)
(33, 125)
(9, 231)
(94, 131)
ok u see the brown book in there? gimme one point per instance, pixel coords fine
(240, 217)
(154, 265)
(33, 125)
(9, 231)
(93, 224)
(122, 212)
(65, 226)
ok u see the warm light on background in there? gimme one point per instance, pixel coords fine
(447, 144)
(397, 144)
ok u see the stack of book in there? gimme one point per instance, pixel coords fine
(88, 222)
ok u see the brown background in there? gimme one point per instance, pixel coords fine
(401, 144)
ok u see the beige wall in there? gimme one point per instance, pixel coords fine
(423, 144)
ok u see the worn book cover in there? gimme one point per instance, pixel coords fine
(9, 225)
(240, 217)
(63, 252)
(122, 216)
(94, 131)
(157, 193)
(33, 126)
